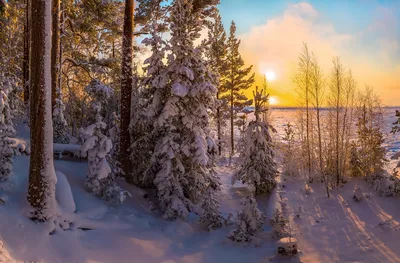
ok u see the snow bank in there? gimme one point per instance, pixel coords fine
(64, 195)
(74, 148)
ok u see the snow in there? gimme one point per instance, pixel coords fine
(64, 195)
(341, 230)
(327, 230)
(119, 234)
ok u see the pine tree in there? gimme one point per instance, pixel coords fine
(6, 131)
(153, 94)
(250, 221)
(237, 80)
(42, 177)
(59, 122)
(180, 160)
(126, 85)
(259, 168)
(216, 52)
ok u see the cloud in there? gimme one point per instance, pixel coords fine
(275, 46)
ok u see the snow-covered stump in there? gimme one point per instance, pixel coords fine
(287, 246)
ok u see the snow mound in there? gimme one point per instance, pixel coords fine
(287, 246)
(64, 195)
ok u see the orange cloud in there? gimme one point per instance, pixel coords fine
(275, 46)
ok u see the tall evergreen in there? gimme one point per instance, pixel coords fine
(216, 54)
(259, 168)
(181, 161)
(237, 81)
(152, 93)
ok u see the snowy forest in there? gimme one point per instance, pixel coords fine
(135, 131)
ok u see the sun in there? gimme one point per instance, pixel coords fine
(273, 100)
(270, 75)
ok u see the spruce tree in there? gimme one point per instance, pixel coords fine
(180, 160)
(258, 168)
(237, 81)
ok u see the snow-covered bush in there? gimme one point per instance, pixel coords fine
(357, 193)
(279, 224)
(386, 184)
(6, 131)
(99, 180)
(60, 125)
(250, 221)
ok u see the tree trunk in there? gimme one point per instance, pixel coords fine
(25, 64)
(337, 135)
(219, 127)
(126, 88)
(62, 32)
(41, 192)
(55, 51)
(232, 126)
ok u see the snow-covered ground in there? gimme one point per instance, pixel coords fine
(339, 229)
(328, 230)
(128, 233)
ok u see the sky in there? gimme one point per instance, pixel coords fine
(365, 34)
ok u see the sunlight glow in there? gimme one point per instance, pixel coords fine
(270, 75)
(273, 100)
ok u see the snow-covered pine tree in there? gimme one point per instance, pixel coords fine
(258, 168)
(97, 146)
(59, 123)
(180, 161)
(237, 81)
(211, 217)
(6, 131)
(249, 222)
(152, 94)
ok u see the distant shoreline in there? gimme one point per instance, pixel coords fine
(323, 108)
